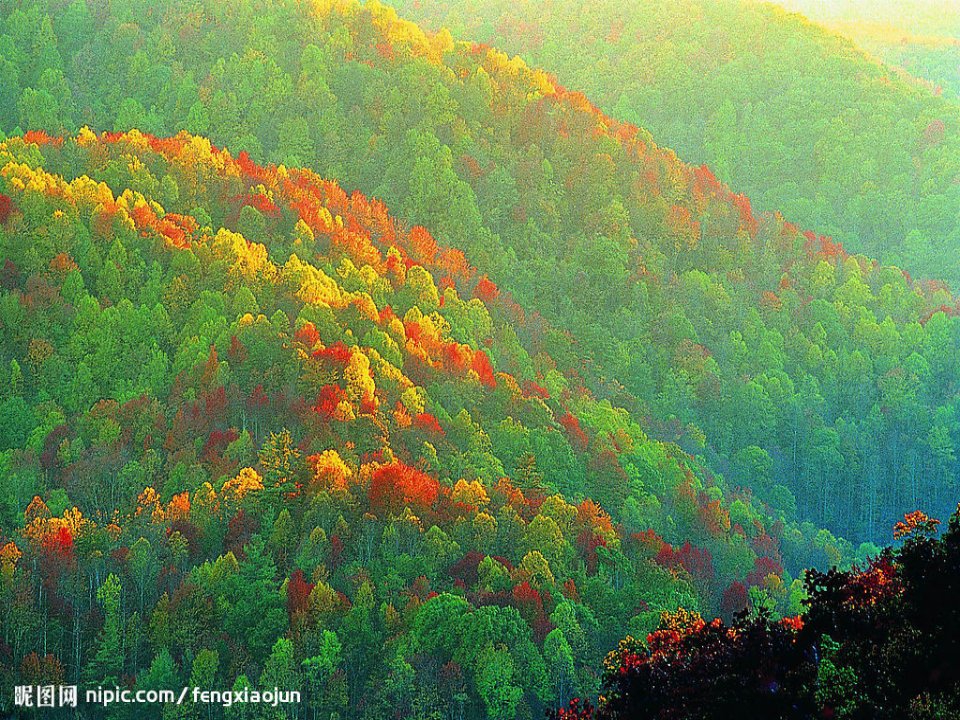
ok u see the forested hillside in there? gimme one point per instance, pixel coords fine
(794, 116)
(247, 437)
(343, 357)
(819, 382)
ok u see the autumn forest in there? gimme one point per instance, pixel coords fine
(480, 360)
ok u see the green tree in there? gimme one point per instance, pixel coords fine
(106, 665)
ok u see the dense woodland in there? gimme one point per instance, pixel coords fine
(293, 461)
(814, 380)
(796, 117)
(343, 357)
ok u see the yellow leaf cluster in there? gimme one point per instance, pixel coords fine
(329, 471)
(247, 481)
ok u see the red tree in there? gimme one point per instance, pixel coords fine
(486, 290)
(484, 370)
(427, 422)
(337, 354)
(327, 401)
(6, 208)
(397, 485)
(298, 593)
(735, 599)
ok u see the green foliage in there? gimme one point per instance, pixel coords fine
(438, 473)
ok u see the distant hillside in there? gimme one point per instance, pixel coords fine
(796, 117)
(817, 385)
(921, 37)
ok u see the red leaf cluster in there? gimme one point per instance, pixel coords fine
(426, 421)
(336, 354)
(298, 593)
(486, 290)
(6, 208)
(328, 399)
(396, 486)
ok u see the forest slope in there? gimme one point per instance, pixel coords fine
(819, 382)
(287, 461)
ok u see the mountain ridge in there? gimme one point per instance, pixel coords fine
(823, 132)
